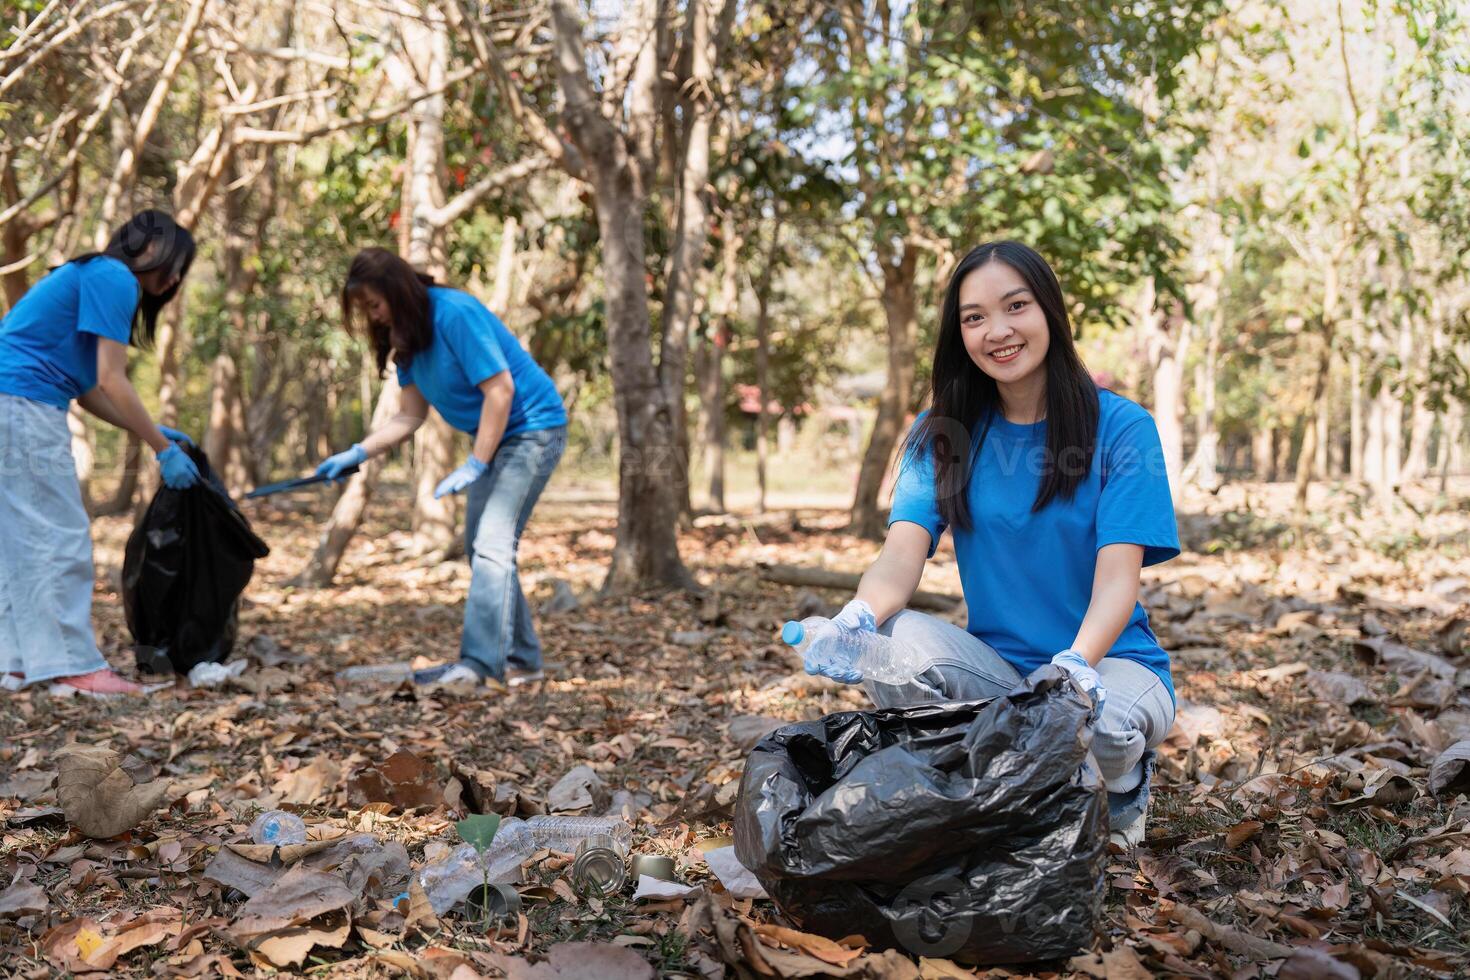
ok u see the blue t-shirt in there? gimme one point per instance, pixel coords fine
(48, 340)
(470, 345)
(1027, 577)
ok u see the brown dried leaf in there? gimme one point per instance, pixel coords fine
(290, 947)
(403, 779)
(311, 783)
(22, 898)
(230, 869)
(1379, 651)
(1308, 963)
(98, 795)
(1242, 832)
(821, 947)
(1450, 773)
(300, 895)
(1229, 937)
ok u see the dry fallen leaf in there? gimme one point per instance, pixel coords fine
(403, 779)
(1450, 773)
(98, 795)
(22, 898)
(821, 947)
(290, 947)
(298, 896)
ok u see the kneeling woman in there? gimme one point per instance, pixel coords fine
(1056, 494)
(453, 353)
(67, 339)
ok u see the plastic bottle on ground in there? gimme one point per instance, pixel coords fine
(880, 658)
(449, 881)
(278, 827)
(564, 833)
(376, 674)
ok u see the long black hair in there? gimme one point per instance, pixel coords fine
(406, 291)
(966, 400)
(149, 241)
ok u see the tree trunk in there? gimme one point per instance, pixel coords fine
(82, 451)
(347, 515)
(712, 393)
(618, 163)
(1450, 439)
(763, 358)
(500, 291)
(690, 234)
(1357, 417)
(1169, 343)
(433, 457)
(129, 466)
(1263, 453)
(900, 312)
(1205, 466)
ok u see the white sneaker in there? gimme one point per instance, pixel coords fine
(1129, 835)
(516, 676)
(455, 673)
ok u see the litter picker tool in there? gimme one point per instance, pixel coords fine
(285, 485)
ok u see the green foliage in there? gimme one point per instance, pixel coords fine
(478, 830)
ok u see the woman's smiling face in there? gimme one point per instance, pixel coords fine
(1003, 326)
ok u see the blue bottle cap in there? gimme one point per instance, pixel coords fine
(792, 633)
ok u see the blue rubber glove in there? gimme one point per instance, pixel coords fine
(857, 616)
(333, 467)
(828, 656)
(471, 471)
(1086, 677)
(174, 435)
(179, 471)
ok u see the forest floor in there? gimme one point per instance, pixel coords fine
(1321, 670)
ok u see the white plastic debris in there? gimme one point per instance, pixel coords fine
(651, 887)
(213, 675)
(737, 879)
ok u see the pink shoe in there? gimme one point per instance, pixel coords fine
(101, 684)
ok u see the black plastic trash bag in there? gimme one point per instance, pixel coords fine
(973, 830)
(186, 563)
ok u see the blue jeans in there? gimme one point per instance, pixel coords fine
(45, 548)
(1136, 716)
(497, 618)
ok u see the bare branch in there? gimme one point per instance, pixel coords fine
(279, 100)
(247, 134)
(60, 38)
(442, 217)
(127, 164)
(104, 104)
(489, 59)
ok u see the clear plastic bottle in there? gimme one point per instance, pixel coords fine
(564, 833)
(278, 827)
(449, 881)
(878, 657)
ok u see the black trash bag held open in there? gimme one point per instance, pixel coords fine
(972, 830)
(186, 563)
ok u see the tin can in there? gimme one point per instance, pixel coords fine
(653, 865)
(598, 864)
(498, 903)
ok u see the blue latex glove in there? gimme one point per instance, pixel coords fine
(333, 466)
(468, 473)
(1086, 677)
(179, 471)
(174, 435)
(828, 656)
(857, 616)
